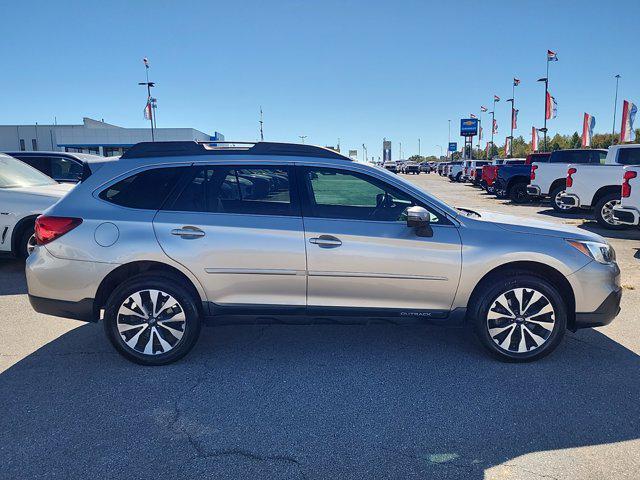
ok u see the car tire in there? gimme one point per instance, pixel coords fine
(507, 332)
(167, 340)
(458, 177)
(554, 198)
(25, 242)
(603, 212)
(518, 193)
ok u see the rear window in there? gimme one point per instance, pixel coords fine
(629, 156)
(144, 190)
(578, 156)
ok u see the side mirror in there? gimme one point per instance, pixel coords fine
(419, 218)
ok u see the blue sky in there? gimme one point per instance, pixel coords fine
(354, 70)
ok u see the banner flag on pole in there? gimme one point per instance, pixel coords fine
(587, 129)
(495, 126)
(514, 118)
(147, 110)
(507, 146)
(551, 107)
(627, 133)
(534, 139)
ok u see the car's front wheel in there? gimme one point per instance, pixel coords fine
(518, 316)
(152, 319)
(557, 205)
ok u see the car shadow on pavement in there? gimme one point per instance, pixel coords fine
(312, 402)
(12, 279)
(626, 234)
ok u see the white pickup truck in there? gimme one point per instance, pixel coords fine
(628, 212)
(597, 187)
(548, 179)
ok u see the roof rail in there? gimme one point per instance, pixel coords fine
(185, 148)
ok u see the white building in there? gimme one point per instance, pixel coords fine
(92, 136)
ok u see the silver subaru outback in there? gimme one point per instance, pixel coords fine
(175, 234)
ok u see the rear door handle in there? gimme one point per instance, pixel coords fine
(326, 241)
(188, 232)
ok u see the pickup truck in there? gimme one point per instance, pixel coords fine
(597, 187)
(548, 179)
(512, 179)
(490, 172)
(411, 168)
(475, 171)
(628, 212)
(455, 171)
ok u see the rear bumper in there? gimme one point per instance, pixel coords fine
(534, 190)
(82, 310)
(626, 215)
(603, 315)
(570, 199)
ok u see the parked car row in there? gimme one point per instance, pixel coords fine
(408, 167)
(159, 242)
(596, 180)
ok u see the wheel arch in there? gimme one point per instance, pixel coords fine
(128, 270)
(19, 229)
(517, 179)
(606, 190)
(540, 269)
(558, 182)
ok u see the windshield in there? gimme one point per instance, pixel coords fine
(14, 173)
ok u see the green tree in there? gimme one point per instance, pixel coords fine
(575, 141)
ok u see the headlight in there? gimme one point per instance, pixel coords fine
(600, 252)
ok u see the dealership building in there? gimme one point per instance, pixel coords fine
(92, 136)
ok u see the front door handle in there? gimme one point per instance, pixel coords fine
(188, 232)
(326, 241)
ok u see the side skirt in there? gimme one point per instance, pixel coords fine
(316, 315)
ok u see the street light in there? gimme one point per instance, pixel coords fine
(615, 105)
(302, 137)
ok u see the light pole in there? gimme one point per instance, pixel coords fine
(149, 107)
(302, 137)
(509, 154)
(364, 150)
(615, 105)
(449, 141)
(419, 147)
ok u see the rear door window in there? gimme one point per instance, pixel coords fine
(266, 190)
(145, 190)
(65, 169)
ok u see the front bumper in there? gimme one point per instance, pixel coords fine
(534, 190)
(604, 314)
(570, 199)
(626, 215)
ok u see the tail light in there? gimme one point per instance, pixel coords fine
(49, 228)
(533, 171)
(626, 186)
(570, 172)
(466, 170)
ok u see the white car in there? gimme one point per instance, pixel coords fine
(24, 194)
(597, 187)
(455, 171)
(549, 178)
(628, 212)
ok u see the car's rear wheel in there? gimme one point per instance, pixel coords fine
(26, 243)
(603, 212)
(557, 205)
(518, 193)
(152, 319)
(519, 317)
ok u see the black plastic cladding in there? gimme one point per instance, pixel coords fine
(172, 149)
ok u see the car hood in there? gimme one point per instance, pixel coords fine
(56, 190)
(529, 226)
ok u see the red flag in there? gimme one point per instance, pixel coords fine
(147, 110)
(534, 139)
(548, 110)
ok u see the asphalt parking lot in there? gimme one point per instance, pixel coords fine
(344, 402)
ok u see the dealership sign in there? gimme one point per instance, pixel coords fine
(468, 127)
(453, 146)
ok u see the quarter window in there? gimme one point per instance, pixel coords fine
(333, 193)
(145, 190)
(224, 189)
(629, 156)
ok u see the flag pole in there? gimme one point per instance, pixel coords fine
(513, 107)
(615, 105)
(149, 106)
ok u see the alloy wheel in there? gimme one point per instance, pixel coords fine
(31, 244)
(520, 320)
(151, 322)
(561, 206)
(607, 212)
